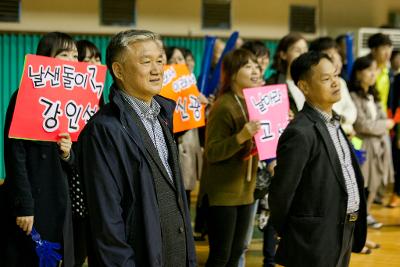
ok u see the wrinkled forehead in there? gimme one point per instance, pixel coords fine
(145, 48)
(141, 49)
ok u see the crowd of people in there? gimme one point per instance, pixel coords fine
(120, 195)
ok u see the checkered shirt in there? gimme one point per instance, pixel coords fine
(148, 116)
(343, 152)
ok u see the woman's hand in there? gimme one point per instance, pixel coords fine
(389, 124)
(291, 115)
(65, 145)
(248, 131)
(202, 99)
(271, 167)
(25, 223)
(211, 99)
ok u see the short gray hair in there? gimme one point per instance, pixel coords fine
(122, 40)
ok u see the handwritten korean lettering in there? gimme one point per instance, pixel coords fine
(183, 82)
(73, 112)
(169, 75)
(73, 79)
(44, 76)
(267, 133)
(96, 87)
(181, 107)
(50, 114)
(270, 99)
(195, 107)
(281, 129)
(89, 112)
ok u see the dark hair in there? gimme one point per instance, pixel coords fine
(85, 45)
(169, 51)
(122, 40)
(322, 43)
(302, 65)
(395, 53)
(379, 39)
(287, 41)
(231, 64)
(340, 38)
(361, 64)
(53, 43)
(186, 52)
(257, 47)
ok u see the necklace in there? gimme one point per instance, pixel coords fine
(241, 106)
(250, 159)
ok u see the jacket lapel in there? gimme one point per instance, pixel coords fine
(326, 138)
(173, 153)
(149, 150)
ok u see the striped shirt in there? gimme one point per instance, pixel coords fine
(148, 115)
(344, 154)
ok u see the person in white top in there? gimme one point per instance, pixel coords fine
(289, 48)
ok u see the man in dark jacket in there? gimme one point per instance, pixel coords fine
(128, 159)
(316, 197)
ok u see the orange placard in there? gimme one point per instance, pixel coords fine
(56, 96)
(396, 117)
(180, 85)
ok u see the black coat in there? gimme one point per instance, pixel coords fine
(308, 198)
(35, 185)
(120, 188)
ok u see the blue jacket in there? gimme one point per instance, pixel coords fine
(120, 190)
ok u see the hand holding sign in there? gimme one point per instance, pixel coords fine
(65, 145)
(248, 131)
(390, 124)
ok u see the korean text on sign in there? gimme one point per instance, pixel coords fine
(180, 85)
(56, 96)
(270, 106)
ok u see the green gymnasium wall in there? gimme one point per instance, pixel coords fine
(14, 47)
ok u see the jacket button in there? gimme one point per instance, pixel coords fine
(43, 156)
(181, 230)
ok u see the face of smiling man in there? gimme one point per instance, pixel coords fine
(322, 86)
(140, 70)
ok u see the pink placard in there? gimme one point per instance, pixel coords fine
(269, 105)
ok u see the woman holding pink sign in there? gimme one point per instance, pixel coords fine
(228, 178)
(36, 186)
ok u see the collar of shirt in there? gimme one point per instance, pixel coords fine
(143, 109)
(334, 119)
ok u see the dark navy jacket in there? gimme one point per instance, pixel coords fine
(119, 186)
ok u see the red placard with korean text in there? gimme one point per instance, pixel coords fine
(180, 85)
(56, 96)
